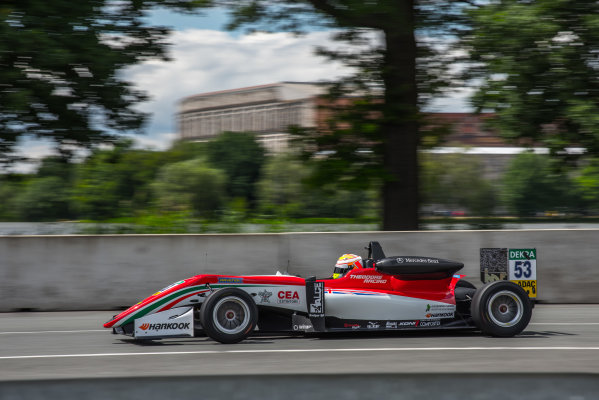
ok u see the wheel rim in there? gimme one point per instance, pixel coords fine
(231, 315)
(505, 308)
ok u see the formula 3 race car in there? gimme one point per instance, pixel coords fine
(386, 294)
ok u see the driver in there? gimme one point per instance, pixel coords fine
(346, 263)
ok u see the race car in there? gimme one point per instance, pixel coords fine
(380, 294)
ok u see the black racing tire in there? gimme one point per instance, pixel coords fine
(229, 315)
(501, 309)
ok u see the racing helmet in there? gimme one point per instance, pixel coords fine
(346, 263)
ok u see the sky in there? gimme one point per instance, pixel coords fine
(205, 57)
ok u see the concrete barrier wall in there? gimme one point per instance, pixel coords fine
(107, 272)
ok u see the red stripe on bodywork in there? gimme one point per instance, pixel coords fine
(172, 304)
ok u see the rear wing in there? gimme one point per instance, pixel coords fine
(516, 265)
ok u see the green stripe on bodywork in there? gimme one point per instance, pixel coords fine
(160, 302)
(174, 295)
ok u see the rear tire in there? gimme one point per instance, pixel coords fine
(501, 309)
(229, 315)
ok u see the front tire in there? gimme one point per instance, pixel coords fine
(501, 309)
(229, 315)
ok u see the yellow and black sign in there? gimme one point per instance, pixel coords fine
(529, 287)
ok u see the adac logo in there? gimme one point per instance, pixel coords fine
(144, 327)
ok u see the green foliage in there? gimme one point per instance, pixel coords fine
(587, 183)
(241, 157)
(44, 199)
(114, 182)
(536, 64)
(10, 188)
(284, 194)
(456, 181)
(280, 189)
(531, 185)
(61, 67)
(191, 185)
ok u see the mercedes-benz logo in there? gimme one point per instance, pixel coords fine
(399, 260)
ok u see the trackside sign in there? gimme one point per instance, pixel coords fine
(517, 265)
(522, 269)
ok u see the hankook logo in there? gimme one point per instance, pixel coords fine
(157, 327)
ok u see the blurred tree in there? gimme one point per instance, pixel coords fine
(241, 158)
(455, 181)
(331, 201)
(587, 183)
(283, 193)
(396, 72)
(532, 185)
(10, 188)
(280, 188)
(46, 196)
(115, 182)
(535, 65)
(185, 150)
(191, 186)
(44, 199)
(60, 64)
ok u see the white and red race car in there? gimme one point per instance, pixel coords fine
(389, 293)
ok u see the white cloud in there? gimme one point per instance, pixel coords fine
(208, 60)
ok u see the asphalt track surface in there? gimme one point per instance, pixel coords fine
(67, 345)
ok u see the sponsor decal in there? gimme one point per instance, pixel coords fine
(401, 260)
(302, 327)
(401, 324)
(530, 287)
(288, 297)
(408, 323)
(316, 294)
(421, 260)
(353, 326)
(523, 254)
(440, 307)
(373, 325)
(440, 315)
(265, 296)
(370, 278)
(230, 280)
(167, 325)
(429, 324)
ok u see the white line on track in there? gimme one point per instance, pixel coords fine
(265, 351)
(33, 332)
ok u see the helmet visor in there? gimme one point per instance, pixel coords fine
(341, 271)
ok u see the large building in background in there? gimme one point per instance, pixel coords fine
(267, 110)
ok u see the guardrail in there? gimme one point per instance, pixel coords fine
(107, 272)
